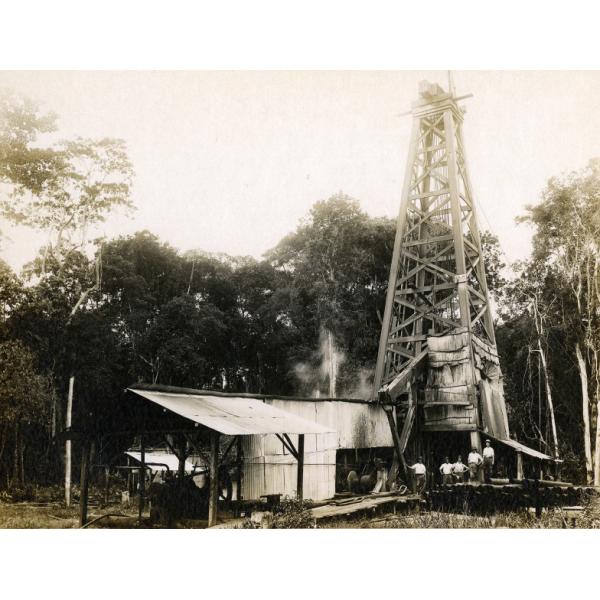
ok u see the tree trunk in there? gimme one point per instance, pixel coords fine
(16, 469)
(585, 406)
(22, 460)
(68, 445)
(597, 442)
(549, 400)
(539, 328)
(3, 440)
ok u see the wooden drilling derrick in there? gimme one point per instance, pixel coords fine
(437, 347)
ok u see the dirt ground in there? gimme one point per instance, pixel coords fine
(30, 515)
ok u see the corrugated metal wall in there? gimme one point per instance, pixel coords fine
(270, 469)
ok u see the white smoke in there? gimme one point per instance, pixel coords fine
(364, 387)
(322, 378)
(331, 360)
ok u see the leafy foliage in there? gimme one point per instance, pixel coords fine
(293, 514)
(23, 163)
(560, 287)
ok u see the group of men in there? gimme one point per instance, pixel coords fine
(455, 472)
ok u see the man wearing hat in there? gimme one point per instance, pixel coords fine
(488, 461)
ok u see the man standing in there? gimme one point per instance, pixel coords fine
(488, 461)
(419, 475)
(446, 471)
(474, 461)
(458, 470)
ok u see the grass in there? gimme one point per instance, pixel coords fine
(434, 520)
(23, 515)
(54, 515)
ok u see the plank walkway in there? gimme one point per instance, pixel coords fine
(362, 503)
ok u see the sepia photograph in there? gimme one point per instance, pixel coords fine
(299, 299)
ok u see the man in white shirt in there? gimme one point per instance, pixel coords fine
(459, 469)
(488, 460)
(419, 475)
(446, 471)
(474, 461)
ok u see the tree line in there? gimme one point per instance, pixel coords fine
(111, 312)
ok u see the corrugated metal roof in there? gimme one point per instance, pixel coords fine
(157, 387)
(231, 415)
(518, 446)
(162, 458)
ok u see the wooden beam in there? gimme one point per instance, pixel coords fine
(182, 457)
(142, 479)
(426, 240)
(426, 288)
(228, 449)
(449, 427)
(84, 482)
(287, 443)
(519, 465)
(459, 248)
(393, 278)
(106, 484)
(214, 479)
(408, 425)
(239, 467)
(408, 338)
(477, 237)
(400, 380)
(300, 480)
(287, 446)
(447, 403)
(396, 438)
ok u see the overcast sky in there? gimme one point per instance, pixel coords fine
(231, 161)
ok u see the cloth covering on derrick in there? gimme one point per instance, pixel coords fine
(458, 363)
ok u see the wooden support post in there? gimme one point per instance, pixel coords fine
(214, 479)
(300, 481)
(106, 484)
(68, 443)
(519, 465)
(396, 439)
(142, 480)
(182, 456)
(239, 466)
(457, 224)
(84, 482)
(391, 290)
(475, 440)
(538, 500)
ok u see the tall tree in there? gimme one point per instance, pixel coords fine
(23, 402)
(338, 262)
(24, 165)
(566, 245)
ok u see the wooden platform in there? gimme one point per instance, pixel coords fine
(358, 504)
(488, 498)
